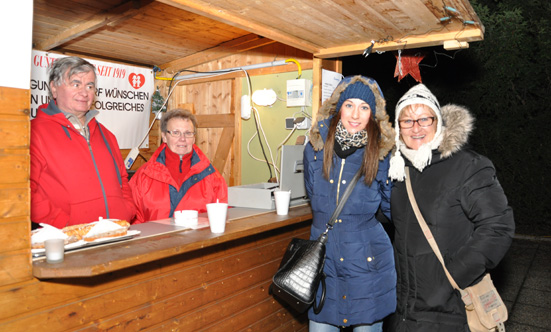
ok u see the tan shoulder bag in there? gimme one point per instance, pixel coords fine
(483, 305)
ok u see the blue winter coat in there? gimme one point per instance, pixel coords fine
(361, 277)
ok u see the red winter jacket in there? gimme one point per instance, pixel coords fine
(73, 182)
(157, 195)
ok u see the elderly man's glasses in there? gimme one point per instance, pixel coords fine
(177, 133)
(422, 122)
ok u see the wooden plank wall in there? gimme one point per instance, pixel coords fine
(217, 95)
(219, 288)
(15, 253)
(154, 142)
(223, 96)
(214, 97)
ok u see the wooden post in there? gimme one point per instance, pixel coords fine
(14, 186)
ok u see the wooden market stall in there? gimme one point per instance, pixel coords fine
(189, 280)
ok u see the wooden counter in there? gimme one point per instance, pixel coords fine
(119, 255)
(179, 281)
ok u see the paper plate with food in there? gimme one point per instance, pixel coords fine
(82, 235)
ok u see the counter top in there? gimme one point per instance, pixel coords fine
(162, 239)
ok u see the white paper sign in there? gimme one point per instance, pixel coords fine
(329, 81)
(123, 96)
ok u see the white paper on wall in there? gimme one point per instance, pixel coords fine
(329, 81)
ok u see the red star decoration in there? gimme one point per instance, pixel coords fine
(409, 63)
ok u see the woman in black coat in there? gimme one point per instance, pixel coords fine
(462, 202)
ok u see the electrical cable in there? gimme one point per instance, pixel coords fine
(278, 171)
(172, 80)
(303, 111)
(255, 158)
(256, 115)
(157, 114)
(400, 41)
(298, 65)
(249, 147)
(436, 57)
(129, 161)
(295, 124)
(266, 141)
(157, 70)
(231, 70)
(256, 122)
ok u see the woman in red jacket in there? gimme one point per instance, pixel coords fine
(178, 176)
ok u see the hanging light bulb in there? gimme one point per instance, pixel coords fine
(264, 97)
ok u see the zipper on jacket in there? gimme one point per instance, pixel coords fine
(99, 178)
(340, 178)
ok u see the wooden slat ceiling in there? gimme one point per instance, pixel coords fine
(147, 32)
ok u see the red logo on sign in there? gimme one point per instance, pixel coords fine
(136, 80)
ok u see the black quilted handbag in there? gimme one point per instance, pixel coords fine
(300, 273)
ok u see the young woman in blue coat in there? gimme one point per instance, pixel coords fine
(352, 133)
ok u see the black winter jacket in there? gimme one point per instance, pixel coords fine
(468, 214)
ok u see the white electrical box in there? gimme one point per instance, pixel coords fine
(305, 124)
(245, 107)
(299, 92)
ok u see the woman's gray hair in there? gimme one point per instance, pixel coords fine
(67, 67)
(177, 113)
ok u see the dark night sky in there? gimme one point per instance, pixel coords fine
(504, 127)
(381, 67)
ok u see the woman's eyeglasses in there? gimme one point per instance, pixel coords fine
(422, 122)
(177, 133)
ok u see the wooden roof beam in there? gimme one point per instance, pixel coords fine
(462, 37)
(204, 8)
(111, 18)
(239, 45)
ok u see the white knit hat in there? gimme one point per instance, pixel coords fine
(418, 94)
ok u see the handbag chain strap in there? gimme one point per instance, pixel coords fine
(338, 209)
(426, 230)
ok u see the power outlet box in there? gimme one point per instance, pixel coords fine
(304, 124)
(289, 123)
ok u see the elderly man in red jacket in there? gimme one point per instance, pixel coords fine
(77, 171)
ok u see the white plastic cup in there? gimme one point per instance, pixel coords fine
(55, 250)
(282, 200)
(217, 216)
(187, 218)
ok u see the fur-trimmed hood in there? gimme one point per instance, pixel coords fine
(328, 110)
(458, 125)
